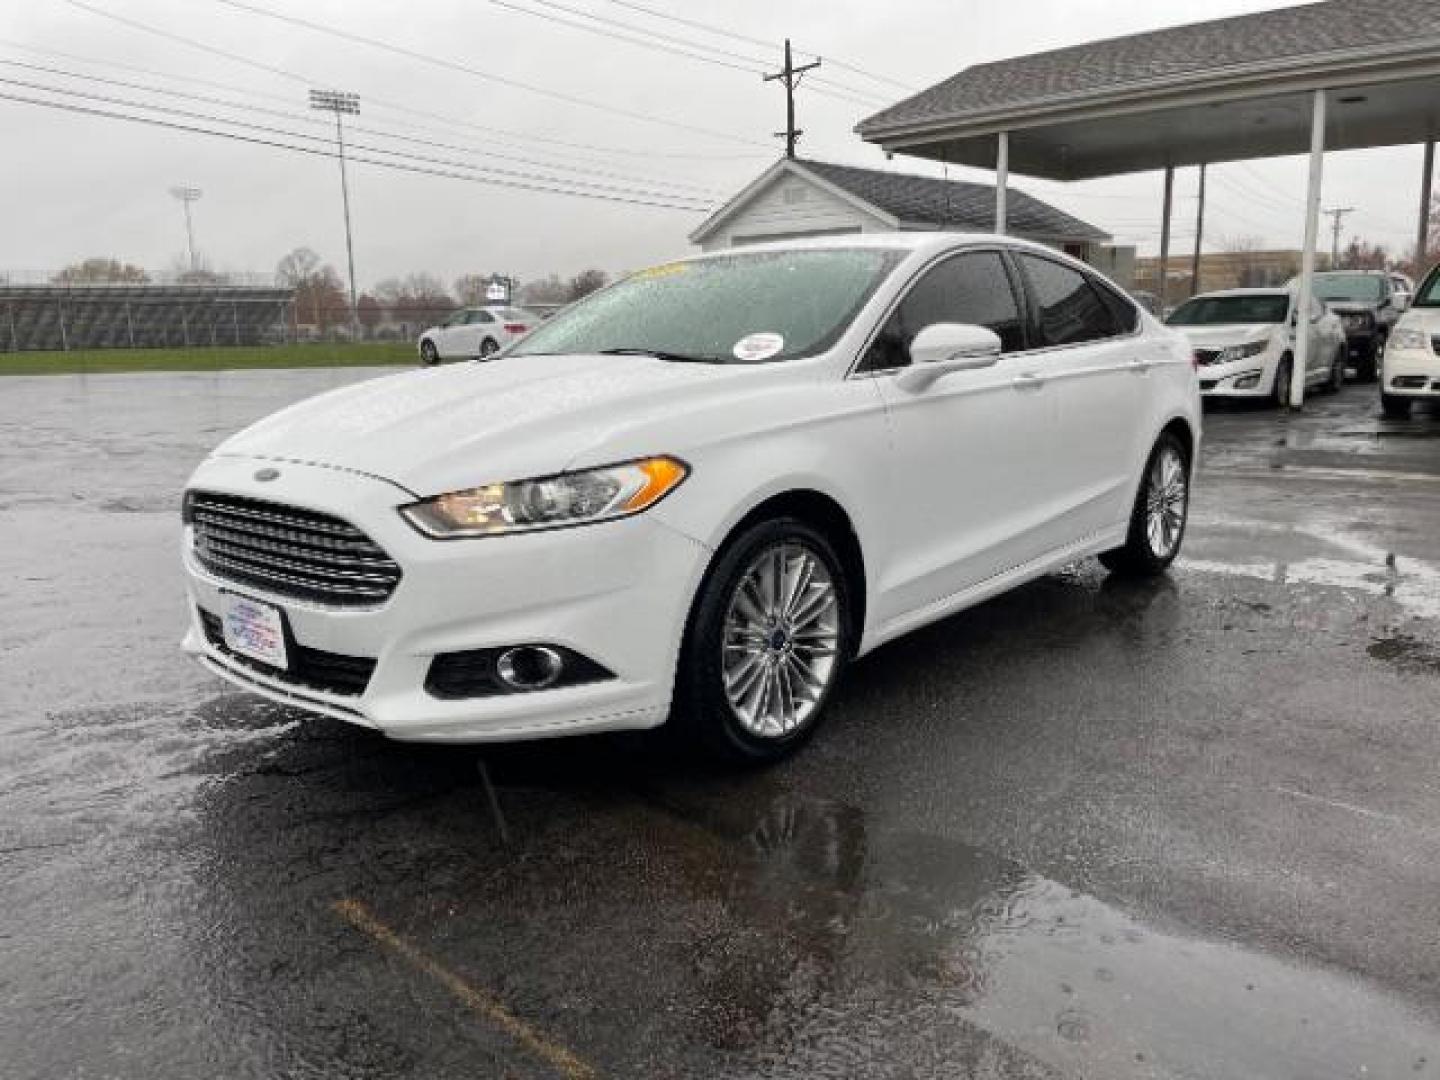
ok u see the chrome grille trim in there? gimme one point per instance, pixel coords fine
(289, 551)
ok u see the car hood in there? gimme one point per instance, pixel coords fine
(466, 424)
(1227, 334)
(1418, 318)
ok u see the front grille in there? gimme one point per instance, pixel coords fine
(1206, 357)
(316, 669)
(1207, 384)
(289, 551)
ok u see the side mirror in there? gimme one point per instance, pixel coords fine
(1402, 301)
(942, 348)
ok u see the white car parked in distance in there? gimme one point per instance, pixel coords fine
(1410, 369)
(694, 495)
(472, 333)
(1244, 342)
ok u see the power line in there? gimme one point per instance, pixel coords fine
(665, 43)
(496, 177)
(450, 121)
(466, 69)
(679, 187)
(721, 31)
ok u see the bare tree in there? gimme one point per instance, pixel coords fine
(101, 270)
(319, 292)
(547, 290)
(586, 282)
(1362, 255)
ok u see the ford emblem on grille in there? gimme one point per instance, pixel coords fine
(267, 474)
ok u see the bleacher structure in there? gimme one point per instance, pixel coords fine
(65, 317)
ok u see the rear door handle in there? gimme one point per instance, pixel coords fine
(1027, 380)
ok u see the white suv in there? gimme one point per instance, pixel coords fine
(1410, 371)
(695, 495)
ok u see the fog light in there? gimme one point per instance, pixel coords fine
(529, 667)
(1247, 382)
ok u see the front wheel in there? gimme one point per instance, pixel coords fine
(768, 638)
(429, 355)
(1157, 521)
(1280, 392)
(1396, 407)
(488, 348)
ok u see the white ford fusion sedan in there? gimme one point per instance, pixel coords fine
(694, 496)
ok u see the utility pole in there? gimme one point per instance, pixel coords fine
(342, 104)
(1199, 234)
(188, 195)
(1338, 213)
(790, 76)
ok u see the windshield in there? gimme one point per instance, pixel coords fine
(1360, 288)
(1428, 294)
(1219, 310)
(743, 308)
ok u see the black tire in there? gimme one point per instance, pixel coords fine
(1367, 369)
(1337, 372)
(1280, 391)
(1395, 406)
(488, 348)
(702, 715)
(429, 355)
(1140, 557)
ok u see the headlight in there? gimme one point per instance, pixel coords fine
(549, 502)
(1240, 352)
(1408, 338)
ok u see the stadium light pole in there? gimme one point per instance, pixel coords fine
(188, 195)
(342, 104)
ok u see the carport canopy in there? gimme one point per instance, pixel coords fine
(1341, 74)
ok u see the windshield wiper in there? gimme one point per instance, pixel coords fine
(661, 354)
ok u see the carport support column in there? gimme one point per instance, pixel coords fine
(1002, 178)
(1165, 235)
(1307, 258)
(1427, 185)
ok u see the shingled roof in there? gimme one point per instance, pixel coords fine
(1280, 39)
(951, 204)
(926, 202)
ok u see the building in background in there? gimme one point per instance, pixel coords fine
(1244, 269)
(797, 197)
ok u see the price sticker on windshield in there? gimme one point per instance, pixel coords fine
(754, 347)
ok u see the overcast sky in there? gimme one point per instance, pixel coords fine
(623, 120)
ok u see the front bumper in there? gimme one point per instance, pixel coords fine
(617, 593)
(1411, 373)
(1251, 377)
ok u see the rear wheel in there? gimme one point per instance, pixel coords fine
(488, 348)
(1157, 521)
(768, 639)
(1337, 372)
(1396, 407)
(429, 355)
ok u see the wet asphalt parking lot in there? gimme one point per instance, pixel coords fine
(1188, 828)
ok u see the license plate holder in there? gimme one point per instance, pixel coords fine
(254, 629)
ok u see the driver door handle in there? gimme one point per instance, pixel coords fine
(1027, 380)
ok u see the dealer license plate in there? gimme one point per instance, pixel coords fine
(254, 629)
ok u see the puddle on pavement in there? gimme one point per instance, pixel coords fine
(906, 929)
(1412, 584)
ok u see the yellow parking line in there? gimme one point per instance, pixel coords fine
(479, 1001)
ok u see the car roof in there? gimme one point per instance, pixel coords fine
(1275, 290)
(1353, 273)
(924, 242)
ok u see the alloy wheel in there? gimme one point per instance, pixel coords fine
(1165, 502)
(781, 640)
